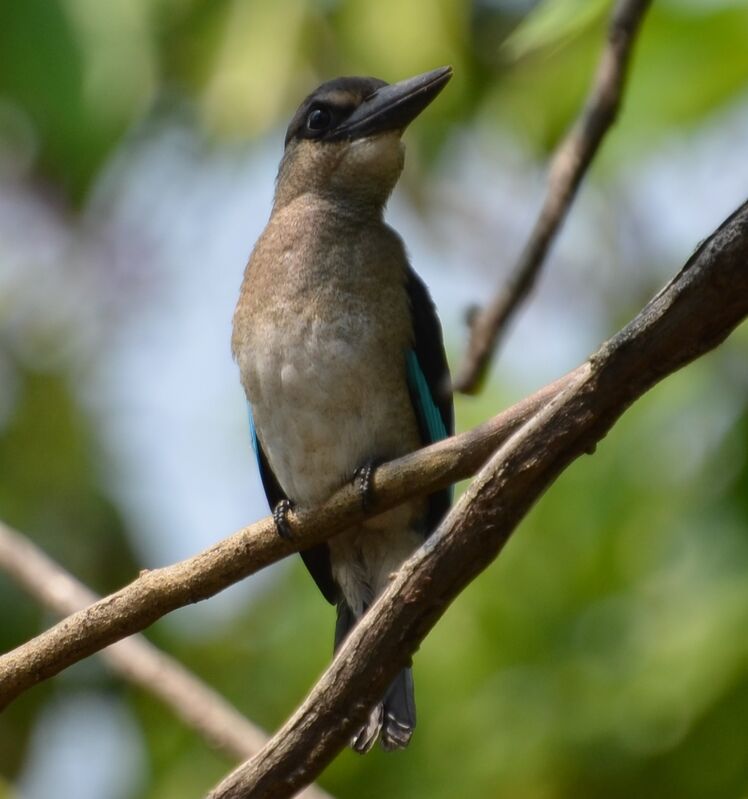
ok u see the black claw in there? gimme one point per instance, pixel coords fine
(364, 477)
(280, 514)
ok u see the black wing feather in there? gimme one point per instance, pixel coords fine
(429, 349)
(317, 558)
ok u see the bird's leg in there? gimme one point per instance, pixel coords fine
(364, 479)
(280, 514)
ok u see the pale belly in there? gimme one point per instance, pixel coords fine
(327, 379)
(324, 404)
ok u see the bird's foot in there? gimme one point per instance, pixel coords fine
(280, 517)
(364, 479)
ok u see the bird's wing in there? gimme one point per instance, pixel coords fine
(317, 558)
(429, 382)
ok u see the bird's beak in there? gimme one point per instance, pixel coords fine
(393, 107)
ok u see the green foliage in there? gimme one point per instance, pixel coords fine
(50, 490)
(604, 653)
(59, 69)
(81, 77)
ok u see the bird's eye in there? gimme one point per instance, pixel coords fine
(318, 119)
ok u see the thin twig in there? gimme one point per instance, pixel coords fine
(569, 165)
(136, 659)
(155, 593)
(693, 314)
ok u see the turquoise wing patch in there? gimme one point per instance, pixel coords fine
(426, 407)
(253, 435)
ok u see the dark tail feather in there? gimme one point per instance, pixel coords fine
(399, 712)
(395, 717)
(365, 737)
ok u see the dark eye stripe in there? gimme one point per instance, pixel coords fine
(340, 97)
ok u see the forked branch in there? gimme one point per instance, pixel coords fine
(569, 165)
(158, 592)
(690, 316)
(694, 313)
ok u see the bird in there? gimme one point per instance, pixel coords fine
(340, 349)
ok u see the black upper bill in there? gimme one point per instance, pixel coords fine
(394, 106)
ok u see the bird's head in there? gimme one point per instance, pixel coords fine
(344, 140)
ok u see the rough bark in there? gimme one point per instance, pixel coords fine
(690, 316)
(155, 593)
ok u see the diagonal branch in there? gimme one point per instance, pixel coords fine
(136, 659)
(156, 593)
(694, 313)
(569, 165)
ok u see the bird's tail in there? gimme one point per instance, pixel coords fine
(399, 707)
(394, 718)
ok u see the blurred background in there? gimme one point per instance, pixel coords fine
(605, 653)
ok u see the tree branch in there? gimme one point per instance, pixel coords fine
(690, 316)
(136, 659)
(569, 165)
(158, 592)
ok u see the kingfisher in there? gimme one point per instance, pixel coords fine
(340, 349)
